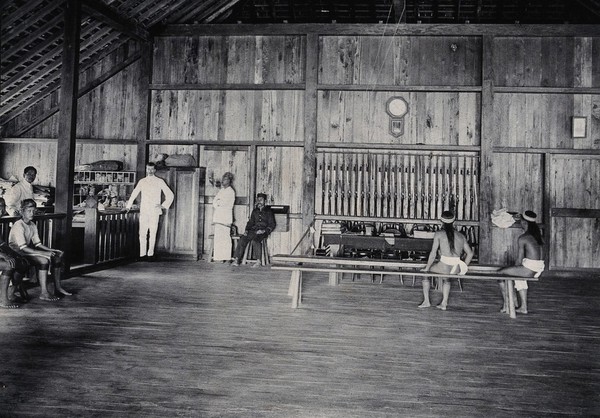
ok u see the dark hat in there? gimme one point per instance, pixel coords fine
(263, 195)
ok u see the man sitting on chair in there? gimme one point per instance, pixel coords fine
(258, 228)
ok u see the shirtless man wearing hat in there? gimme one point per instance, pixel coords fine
(451, 244)
(530, 258)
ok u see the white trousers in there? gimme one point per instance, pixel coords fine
(148, 228)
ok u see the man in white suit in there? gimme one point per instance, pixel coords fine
(151, 207)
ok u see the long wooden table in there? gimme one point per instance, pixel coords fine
(336, 266)
(376, 242)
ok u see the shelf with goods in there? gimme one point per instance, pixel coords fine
(102, 184)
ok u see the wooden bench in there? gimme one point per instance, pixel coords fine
(336, 266)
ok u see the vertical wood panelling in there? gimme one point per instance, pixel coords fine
(269, 115)
(88, 153)
(112, 110)
(518, 182)
(574, 182)
(229, 59)
(279, 175)
(544, 120)
(538, 62)
(400, 60)
(200, 122)
(432, 119)
(517, 186)
(15, 157)
(576, 244)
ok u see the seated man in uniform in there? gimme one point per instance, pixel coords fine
(530, 257)
(451, 244)
(258, 228)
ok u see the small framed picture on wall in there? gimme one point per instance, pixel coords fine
(579, 126)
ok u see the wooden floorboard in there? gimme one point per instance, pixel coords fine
(211, 340)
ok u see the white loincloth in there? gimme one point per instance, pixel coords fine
(458, 266)
(536, 266)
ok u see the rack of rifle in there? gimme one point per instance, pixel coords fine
(399, 184)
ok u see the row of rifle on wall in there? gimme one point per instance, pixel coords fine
(402, 185)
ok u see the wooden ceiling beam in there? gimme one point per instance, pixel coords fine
(592, 6)
(51, 72)
(22, 11)
(220, 11)
(156, 13)
(26, 25)
(108, 15)
(187, 9)
(50, 55)
(27, 40)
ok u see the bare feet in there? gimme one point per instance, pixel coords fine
(424, 305)
(521, 310)
(504, 309)
(48, 297)
(62, 291)
(8, 305)
(442, 307)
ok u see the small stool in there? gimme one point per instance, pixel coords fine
(264, 253)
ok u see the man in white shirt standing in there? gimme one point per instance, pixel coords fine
(151, 188)
(20, 191)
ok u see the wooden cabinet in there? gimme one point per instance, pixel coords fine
(181, 228)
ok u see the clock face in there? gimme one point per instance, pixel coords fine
(397, 107)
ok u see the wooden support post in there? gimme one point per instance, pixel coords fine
(510, 286)
(68, 122)
(310, 133)
(489, 132)
(143, 128)
(90, 237)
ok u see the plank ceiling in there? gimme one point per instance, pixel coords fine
(31, 37)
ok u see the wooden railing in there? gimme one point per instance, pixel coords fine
(48, 226)
(110, 236)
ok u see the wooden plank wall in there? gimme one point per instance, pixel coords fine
(540, 84)
(232, 115)
(229, 60)
(14, 157)
(400, 60)
(575, 179)
(434, 118)
(207, 95)
(245, 93)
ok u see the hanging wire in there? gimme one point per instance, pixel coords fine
(396, 27)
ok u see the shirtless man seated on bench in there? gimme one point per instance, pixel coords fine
(451, 244)
(530, 258)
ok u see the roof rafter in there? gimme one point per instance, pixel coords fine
(108, 15)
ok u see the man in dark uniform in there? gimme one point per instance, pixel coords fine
(258, 228)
